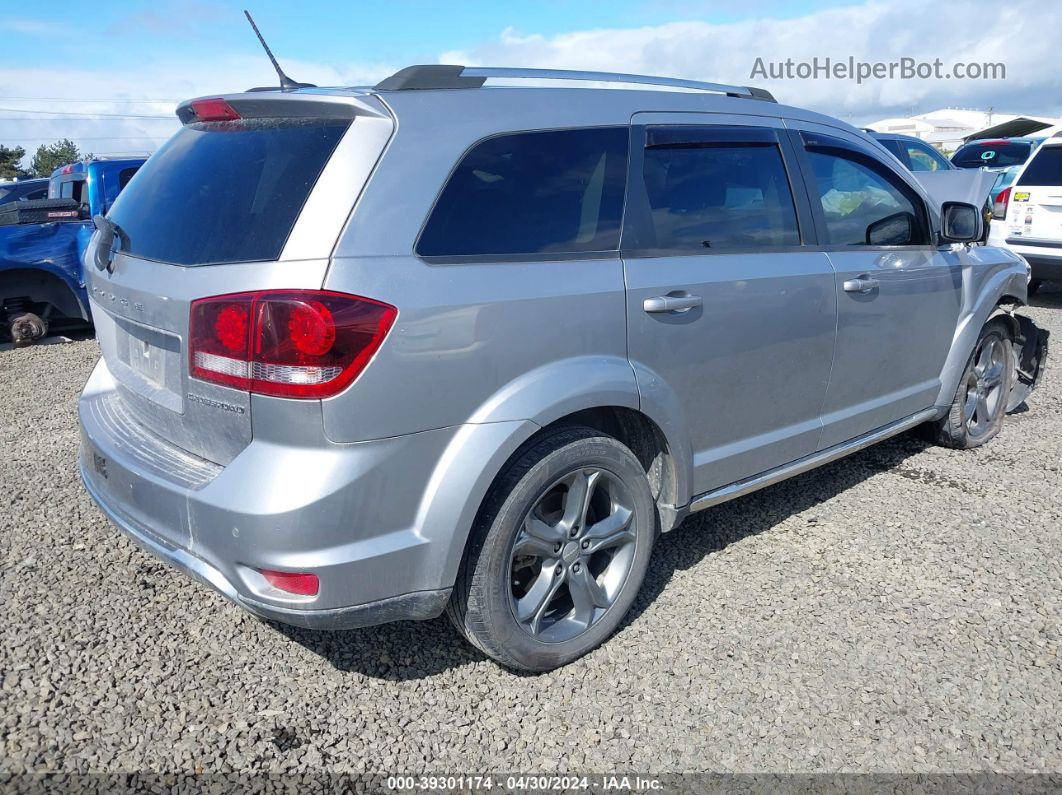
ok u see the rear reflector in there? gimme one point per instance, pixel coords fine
(299, 584)
(286, 343)
(214, 110)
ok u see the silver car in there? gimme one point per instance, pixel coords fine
(375, 354)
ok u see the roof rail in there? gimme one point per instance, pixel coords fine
(433, 76)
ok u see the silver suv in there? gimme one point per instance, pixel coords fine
(378, 353)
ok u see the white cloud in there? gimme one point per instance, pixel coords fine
(1021, 34)
(35, 27)
(125, 91)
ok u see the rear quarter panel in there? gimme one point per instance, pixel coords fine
(52, 252)
(475, 342)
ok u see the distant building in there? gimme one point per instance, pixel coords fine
(947, 129)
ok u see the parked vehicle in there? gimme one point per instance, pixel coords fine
(41, 280)
(373, 354)
(913, 152)
(95, 184)
(23, 190)
(1027, 217)
(1003, 156)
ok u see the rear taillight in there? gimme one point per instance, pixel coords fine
(999, 209)
(214, 110)
(286, 343)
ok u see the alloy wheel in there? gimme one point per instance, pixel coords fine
(984, 386)
(572, 554)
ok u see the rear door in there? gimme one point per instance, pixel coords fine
(225, 206)
(897, 293)
(1036, 199)
(730, 316)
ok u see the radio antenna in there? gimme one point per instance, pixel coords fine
(286, 83)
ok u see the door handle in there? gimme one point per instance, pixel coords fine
(864, 284)
(671, 303)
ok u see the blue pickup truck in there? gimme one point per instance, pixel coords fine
(41, 282)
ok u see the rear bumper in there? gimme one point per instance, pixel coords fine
(347, 513)
(411, 606)
(1045, 259)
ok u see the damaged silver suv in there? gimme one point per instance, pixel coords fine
(378, 353)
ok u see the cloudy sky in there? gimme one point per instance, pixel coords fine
(109, 78)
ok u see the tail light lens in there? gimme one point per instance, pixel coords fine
(286, 343)
(999, 209)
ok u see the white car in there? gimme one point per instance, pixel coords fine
(1027, 216)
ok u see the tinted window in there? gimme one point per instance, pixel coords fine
(860, 203)
(125, 175)
(893, 146)
(225, 191)
(533, 193)
(72, 189)
(1045, 168)
(719, 195)
(992, 155)
(923, 158)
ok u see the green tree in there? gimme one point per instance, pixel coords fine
(49, 158)
(10, 162)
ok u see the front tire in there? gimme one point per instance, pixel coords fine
(980, 402)
(558, 553)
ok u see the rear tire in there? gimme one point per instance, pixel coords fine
(980, 402)
(1035, 285)
(558, 553)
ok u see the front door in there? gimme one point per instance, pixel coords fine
(731, 320)
(898, 294)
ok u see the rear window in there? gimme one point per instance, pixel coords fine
(221, 192)
(558, 192)
(997, 155)
(1045, 168)
(719, 196)
(125, 175)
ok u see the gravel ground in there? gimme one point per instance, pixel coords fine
(896, 611)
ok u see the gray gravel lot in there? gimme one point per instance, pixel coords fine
(897, 611)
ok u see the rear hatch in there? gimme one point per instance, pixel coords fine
(1035, 214)
(996, 155)
(251, 194)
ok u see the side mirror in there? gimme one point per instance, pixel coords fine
(892, 230)
(961, 223)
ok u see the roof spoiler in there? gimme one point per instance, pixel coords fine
(446, 76)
